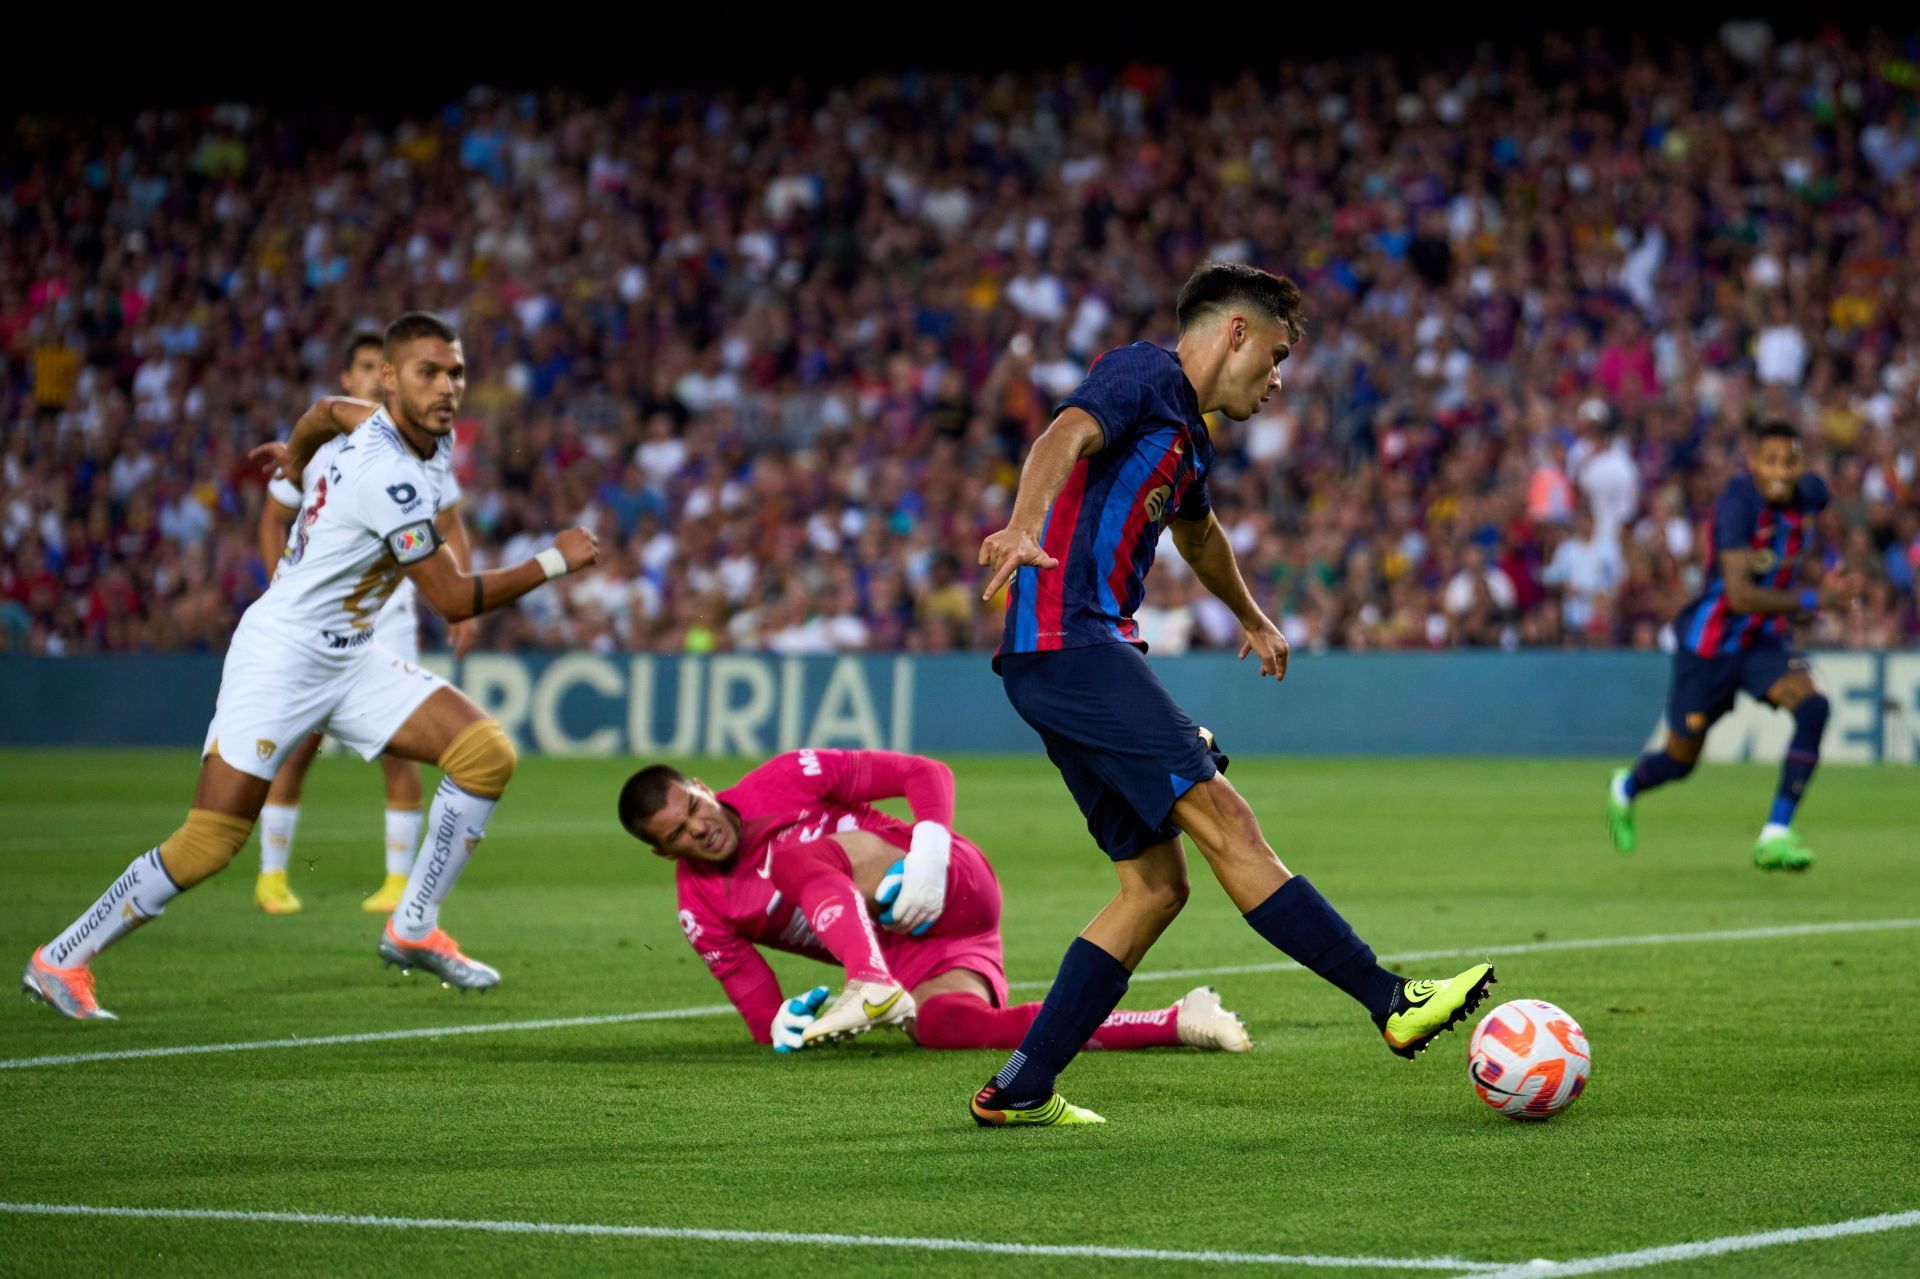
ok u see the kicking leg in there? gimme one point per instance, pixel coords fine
(478, 760)
(1292, 915)
(403, 832)
(1778, 847)
(278, 817)
(225, 803)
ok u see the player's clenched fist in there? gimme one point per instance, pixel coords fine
(579, 546)
(1006, 552)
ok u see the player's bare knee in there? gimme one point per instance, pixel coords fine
(480, 759)
(203, 845)
(1684, 751)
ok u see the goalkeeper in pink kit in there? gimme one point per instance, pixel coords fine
(795, 857)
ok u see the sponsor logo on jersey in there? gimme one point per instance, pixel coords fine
(1157, 501)
(828, 916)
(336, 640)
(809, 764)
(404, 495)
(690, 926)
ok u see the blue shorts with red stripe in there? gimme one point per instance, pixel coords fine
(1703, 687)
(1124, 748)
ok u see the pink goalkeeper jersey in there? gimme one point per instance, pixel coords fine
(798, 797)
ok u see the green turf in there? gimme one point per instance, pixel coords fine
(1739, 1086)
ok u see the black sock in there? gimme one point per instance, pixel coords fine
(1655, 768)
(1309, 931)
(1803, 756)
(1089, 987)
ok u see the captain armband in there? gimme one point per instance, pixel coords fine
(414, 542)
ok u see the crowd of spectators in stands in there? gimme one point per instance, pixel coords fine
(784, 348)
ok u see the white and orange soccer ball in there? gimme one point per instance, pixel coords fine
(1528, 1059)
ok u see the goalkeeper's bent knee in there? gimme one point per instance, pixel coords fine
(203, 845)
(480, 759)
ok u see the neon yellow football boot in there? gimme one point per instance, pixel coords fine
(271, 894)
(1056, 1111)
(1423, 1009)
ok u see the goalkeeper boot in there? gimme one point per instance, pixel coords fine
(1620, 812)
(387, 900)
(68, 991)
(1782, 852)
(271, 894)
(1422, 1009)
(860, 1007)
(990, 1110)
(1203, 1023)
(440, 955)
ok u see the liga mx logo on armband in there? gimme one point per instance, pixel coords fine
(408, 541)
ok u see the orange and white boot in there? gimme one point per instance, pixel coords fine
(440, 955)
(68, 991)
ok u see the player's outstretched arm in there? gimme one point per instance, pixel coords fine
(457, 595)
(1073, 435)
(1203, 545)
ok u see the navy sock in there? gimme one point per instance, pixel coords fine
(1655, 768)
(1302, 925)
(1803, 756)
(1088, 988)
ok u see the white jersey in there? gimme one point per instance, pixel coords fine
(397, 622)
(367, 510)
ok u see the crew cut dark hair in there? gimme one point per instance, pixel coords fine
(418, 324)
(1216, 285)
(1775, 430)
(364, 338)
(646, 794)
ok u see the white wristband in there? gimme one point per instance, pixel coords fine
(554, 561)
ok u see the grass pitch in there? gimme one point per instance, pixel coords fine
(1740, 1085)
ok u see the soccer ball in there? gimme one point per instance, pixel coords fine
(1528, 1059)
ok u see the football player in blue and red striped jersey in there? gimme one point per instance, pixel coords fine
(1127, 456)
(1734, 635)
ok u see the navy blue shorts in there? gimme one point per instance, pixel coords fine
(1703, 687)
(1126, 750)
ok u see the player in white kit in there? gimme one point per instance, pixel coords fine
(399, 631)
(304, 659)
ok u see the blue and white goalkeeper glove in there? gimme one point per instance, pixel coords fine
(795, 1015)
(914, 889)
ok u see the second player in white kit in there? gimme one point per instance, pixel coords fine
(398, 628)
(305, 658)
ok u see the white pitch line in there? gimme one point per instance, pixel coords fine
(1536, 948)
(781, 1237)
(1171, 974)
(1711, 1247)
(371, 1037)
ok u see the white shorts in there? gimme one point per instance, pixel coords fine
(272, 694)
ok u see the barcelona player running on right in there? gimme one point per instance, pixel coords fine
(1128, 455)
(1734, 636)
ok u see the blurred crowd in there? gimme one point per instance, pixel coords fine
(784, 348)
